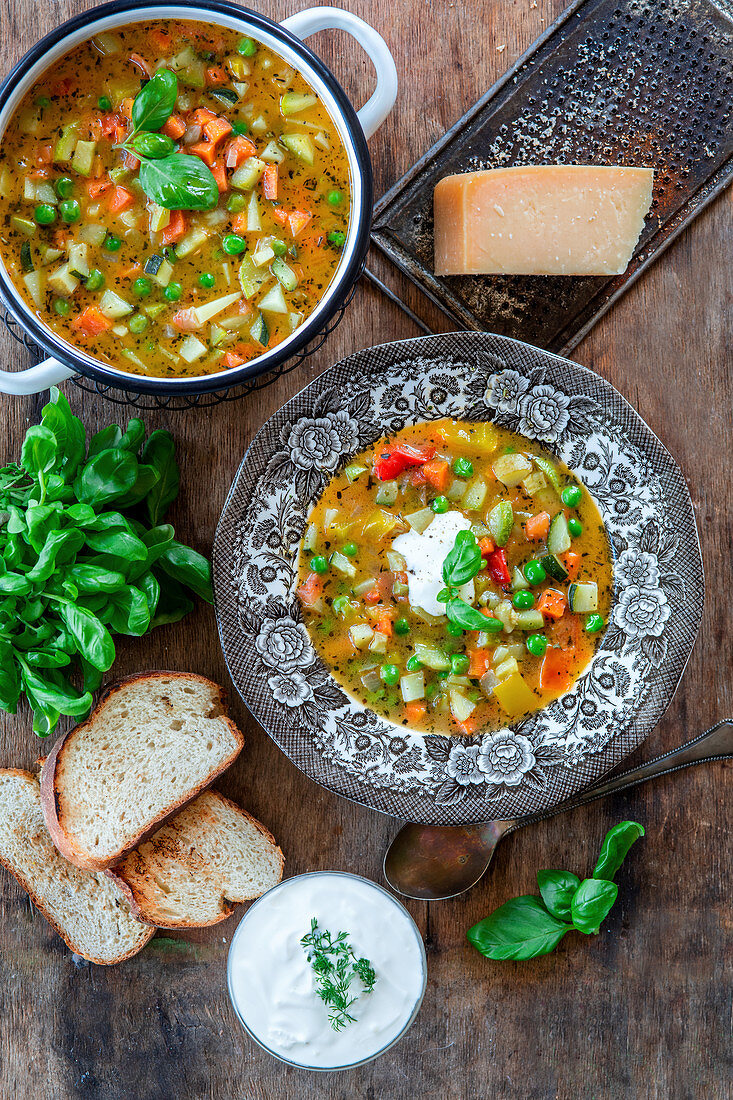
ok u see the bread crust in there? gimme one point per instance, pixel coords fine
(52, 813)
(145, 917)
(40, 906)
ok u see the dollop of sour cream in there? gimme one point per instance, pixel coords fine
(425, 554)
(271, 981)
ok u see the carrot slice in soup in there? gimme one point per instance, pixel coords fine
(556, 673)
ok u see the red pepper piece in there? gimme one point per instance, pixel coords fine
(393, 461)
(496, 563)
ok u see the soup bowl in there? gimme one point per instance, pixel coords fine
(354, 128)
(658, 582)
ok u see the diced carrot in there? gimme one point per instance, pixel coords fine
(437, 473)
(571, 561)
(310, 592)
(415, 711)
(231, 359)
(95, 188)
(63, 87)
(298, 220)
(186, 320)
(43, 154)
(133, 269)
(552, 603)
(536, 527)
(140, 63)
(216, 75)
(201, 116)
(372, 596)
(280, 215)
(174, 128)
(162, 40)
(269, 182)
(217, 129)
(238, 150)
(125, 108)
(131, 162)
(487, 546)
(91, 322)
(556, 670)
(219, 173)
(384, 623)
(205, 150)
(480, 659)
(469, 726)
(120, 199)
(175, 228)
(239, 222)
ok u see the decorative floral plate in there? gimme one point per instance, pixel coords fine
(658, 591)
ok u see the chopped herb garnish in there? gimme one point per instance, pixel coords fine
(335, 966)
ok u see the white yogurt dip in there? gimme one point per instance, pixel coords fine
(425, 554)
(271, 982)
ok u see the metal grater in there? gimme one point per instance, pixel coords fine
(647, 83)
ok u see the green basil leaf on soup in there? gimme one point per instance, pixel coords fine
(557, 889)
(461, 613)
(179, 182)
(520, 929)
(154, 103)
(463, 562)
(615, 848)
(592, 903)
(151, 145)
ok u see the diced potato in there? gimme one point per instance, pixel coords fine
(511, 469)
(461, 706)
(192, 349)
(534, 484)
(78, 258)
(342, 564)
(192, 241)
(506, 668)
(34, 285)
(62, 281)
(159, 217)
(420, 521)
(210, 309)
(378, 643)
(475, 495)
(163, 275)
(113, 306)
(514, 696)
(412, 687)
(361, 635)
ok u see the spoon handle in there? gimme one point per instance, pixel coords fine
(715, 744)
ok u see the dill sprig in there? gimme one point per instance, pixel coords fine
(335, 966)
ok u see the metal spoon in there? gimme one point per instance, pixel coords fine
(432, 862)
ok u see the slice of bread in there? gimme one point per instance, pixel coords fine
(209, 857)
(88, 909)
(152, 743)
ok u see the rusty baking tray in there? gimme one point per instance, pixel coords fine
(638, 82)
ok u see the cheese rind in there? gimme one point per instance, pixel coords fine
(565, 219)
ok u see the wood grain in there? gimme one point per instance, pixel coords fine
(639, 1011)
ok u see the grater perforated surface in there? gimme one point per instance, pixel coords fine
(647, 83)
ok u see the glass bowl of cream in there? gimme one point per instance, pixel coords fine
(316, 1001)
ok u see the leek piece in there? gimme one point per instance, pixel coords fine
(114, 307)
(254, 221)
(292, 103)
(412, 687)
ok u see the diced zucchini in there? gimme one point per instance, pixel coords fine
(6, 182)
(387, 493)
(506, 668)
(259, 330)
(396, 562)
(192, 349)
(272, 153)
(120, 330)
(163, 275)
(500, 521)
(26, 257)
(284, 273)
(159, 217)
(412, 687)
(114, 307)
(191, 70)
(353, 472)
(192, 241)
(558, 539)
(511, 469)
(420, 521)
(475, 495)
(300, 145)
(518, 580)
(548, 470)
(456, 489)
(248, 173)
(133, 358)
(64, 149)
(530, 620)
(23, 225)
(154, 309)
(310, 538)
(48, 254)
(79, 259)
(361, 635)
(461, 706)
(342, 564)
(254, 221)
(83, 159)
(292, 103)
(263, 252)
(231, 324)
(39, 191)
(210, 309)
(514, 696)
(93, 234)
(34, 281)
(432, 657)
(274, 301)
(62, 281)
(252, 279)
(583, 598)
(534, 483)
(378, 643)
(554, 567)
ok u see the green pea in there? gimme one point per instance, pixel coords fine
(319, 564)
(334, 198)
(463, 467)
(94, 280)
(104, 103)
(534, 572)
(43, 101)
(401, 626)
(523, 600)
(138, 324)
(571, 495)
(594, 623)
(173, 292)
(239, 128)
(69, 210)
(440, 505)
(247, 47)
(236, 203)
(454, 630)
(278, 247)
(575, 527)
(142, 287)
(64, 187)
(207, 280)
(493, 626)
(430, 690)
(350, 549)
(442, 674)
(62, 307)
(233, 244)
(390, 674)
(112, 243)
(337, 238)
(44, 213)
(536, 645)
(414, 663)
(340, 604)
(459, 663)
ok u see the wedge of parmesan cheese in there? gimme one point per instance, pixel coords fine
(565, 219)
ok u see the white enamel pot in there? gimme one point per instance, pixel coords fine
(354, 127)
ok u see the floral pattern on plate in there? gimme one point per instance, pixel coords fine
(563, 748)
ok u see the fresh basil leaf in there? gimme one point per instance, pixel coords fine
(58, 548)
(40, 520)
(10, 684)
(94, 579)
(92, 638)
(108, 475)
(14, 584)
(105, 440)
(592, 903)
(45, 717)
(151, 145)
(91, 675)
(109, 521)
(520, 929)
(557, 889)
(53, 690)
(461, 613)
(179, 182)
(119, 543)
(463, 562)
(81, 515)
(68, 429)
(173, 604)
(57, 489)
(150, 585)
(159, 451)
(147, 477)
(154, 103)
(134, 435)
(39, 452)
(47, 658)
(615, 847)
(130, 612)
(189, 568)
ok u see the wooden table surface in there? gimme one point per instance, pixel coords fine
(639, 1011)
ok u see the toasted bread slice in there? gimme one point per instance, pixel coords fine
(152, 743)
(204, 861)
(87, 908)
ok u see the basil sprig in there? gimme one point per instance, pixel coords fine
(461, 565)
(528, 926)
(171, 179)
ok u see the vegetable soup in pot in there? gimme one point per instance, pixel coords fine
(455, 577)
(174, 198)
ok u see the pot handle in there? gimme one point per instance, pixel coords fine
(35, 379)
(375, 110)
